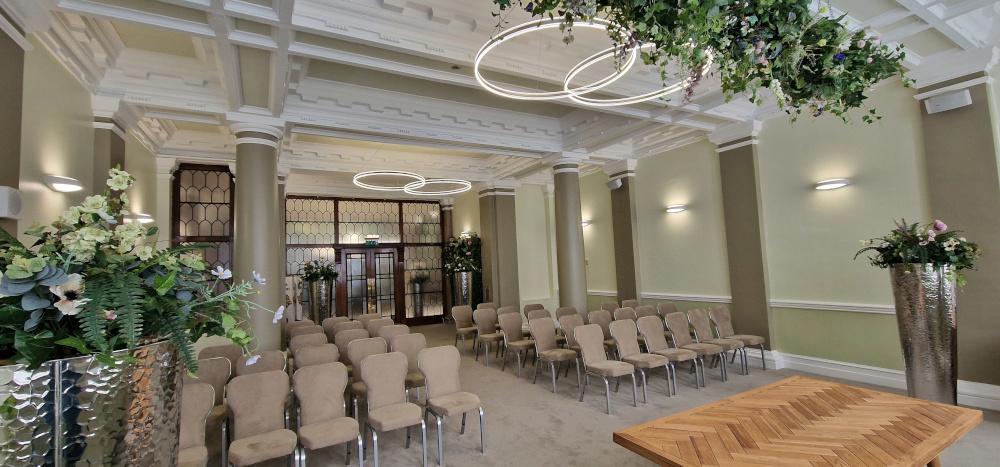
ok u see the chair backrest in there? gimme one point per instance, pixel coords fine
(358, 349)
(440, 368)
(257, 403)
(701, 324)
(540, 313)
(590, 338)
(486, 320)
(506, 309)
(565, 310)
(532, 306)
(329, 323)
(230, 352)
(409, 345)
(197, 400)
(626, 337)
(316, 355)
(306, 340)
(723, 321)
(375, 324)
(268, 360)
(645, 310)
(320, 392)
(510, 324)
(303, 330)
(290, 325)
(462, 315)
(346, 326)
(631, 303)
(651, 328)
(365, 318)
(344, 338)
(388, 332)
(215, 372)
(625, 313)
(601, 318)
(543, 331)
(610, 307)
(665, 309)
(486, 305)
(384, 374)
(677, 323)
(568, 323)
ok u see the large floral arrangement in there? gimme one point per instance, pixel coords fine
(92, 283)
(809, 62)
(912, 243)
(463, 254)
(319, 270)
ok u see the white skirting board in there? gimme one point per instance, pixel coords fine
(979, 395)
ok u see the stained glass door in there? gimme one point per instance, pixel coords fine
(371, 282)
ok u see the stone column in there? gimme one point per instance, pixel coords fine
(963, 188)
(737, 148)
(283, 260)
(256, 237)
(570, 258)
(11, 95)
(447, 208)
(163, 215)
(499, 235)
(109, 149)
(625, 228)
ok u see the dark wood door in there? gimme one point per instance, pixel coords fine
(371, 281)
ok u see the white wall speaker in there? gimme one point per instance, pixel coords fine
(10, 202)
(614, 184)
(948, 101)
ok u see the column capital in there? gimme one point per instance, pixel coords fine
(250, 123)
(957, 66)
(111, 113)
(620, 169)
(165, 165)
(447, 204)
(736, 135)
(505, 187)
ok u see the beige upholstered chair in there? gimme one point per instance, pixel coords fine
(565, 310)
(678, 325)
(230, 352)
(305, 340)
(316, 355)
(724, 325)
(610, 307)
(651, 329)
(322, 421)
(486, 305)
(330, 322)
(535, 314)
(626, 338)
(445, 397)
(345, 326)
(303, 330)
(532, 306)
(343, 339)
(365, 318)
(568, 323)
(385, 376)
(410, 345)
(358, 350)
(486, 331)
(266, 361)
(645, 310)
(665, 309)
(216, 372)
(703, 333)
(372, 326)
(590, 337)
(197, 400)
(543, 332)
(625, 313)
(632, 303)
(258, 405)
(513, 340)
(290, 325)
(602, 318)
(506, 309)
(393, 330)
(464, 326)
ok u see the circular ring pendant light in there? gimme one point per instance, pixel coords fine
(418, 181)
(413, 189)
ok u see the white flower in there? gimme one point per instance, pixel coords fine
(94, 204)
(253, 359)
(222, 273)
(70, 295)
(71, 216)
(258, 278)
(144, 252)
(119, 180)
(278, 314)
(22, 377)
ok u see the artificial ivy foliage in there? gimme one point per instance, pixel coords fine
(810, 62)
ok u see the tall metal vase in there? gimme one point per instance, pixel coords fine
(926, 314)
(462, 292)
(320, 300)
(78, 411)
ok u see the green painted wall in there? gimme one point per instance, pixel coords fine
(533, 265)
(862, 338)
(598, 241)
(142, 165)
(465, 214)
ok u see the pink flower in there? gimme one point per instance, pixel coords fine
(110, 315)
(940, 226)
(862, 43)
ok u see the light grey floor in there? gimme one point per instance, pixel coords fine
(527, 425)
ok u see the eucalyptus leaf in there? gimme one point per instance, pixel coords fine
(11, 288)
(31, 301)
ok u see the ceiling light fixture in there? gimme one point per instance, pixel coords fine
(676, 208)
(414, 189)
(418, 181)
(62, 184)
(832, 184)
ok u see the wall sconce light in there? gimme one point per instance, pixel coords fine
(465, 234)
(141, 218)
(62, 184)
(832, 184)
(586, 223)
(676, 208)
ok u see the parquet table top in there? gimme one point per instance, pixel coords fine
(802, 421)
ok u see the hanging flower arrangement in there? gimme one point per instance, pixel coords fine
(463, 254)
(810, 62)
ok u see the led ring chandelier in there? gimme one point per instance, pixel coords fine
(414, 187)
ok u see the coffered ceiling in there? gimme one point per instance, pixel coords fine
(377, 84)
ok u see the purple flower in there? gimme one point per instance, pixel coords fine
(940, 226)
(840, 56)
(530, 7)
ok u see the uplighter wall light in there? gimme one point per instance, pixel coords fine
(586, 223)
(676, 208)
(832, 184)
(62, 184)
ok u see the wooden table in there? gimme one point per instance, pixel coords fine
(802, 421)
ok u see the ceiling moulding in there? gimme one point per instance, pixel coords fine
(92, 8)
(952, 66)
(735, 132)
(436, 144)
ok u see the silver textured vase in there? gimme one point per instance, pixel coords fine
(926, 313)
(78, 411)
(463, 292)
(320, 300)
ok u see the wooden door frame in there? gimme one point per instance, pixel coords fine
(399, 287)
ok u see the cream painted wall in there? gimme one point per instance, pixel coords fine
(465, 214)
(533, 266)
(682, 253)
(57, 138)
(142, 165)
(598, 240)
(811, 236)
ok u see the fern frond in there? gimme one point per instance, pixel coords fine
(92, 318)
(128, 300)
(177, 332)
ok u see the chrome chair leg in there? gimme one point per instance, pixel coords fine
(763, 363)
(635, 398)
(462, 432)
(644, 393)
(534, 377)
(423, 442)
(577, 372)
(440, 441)
(482, 432)
(519, 364)
(361, 458)
(607, 392)
(552, 370)
(407, 444)
(374, 445)
(586, 381)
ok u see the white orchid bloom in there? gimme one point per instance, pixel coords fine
(70, 295)
(222, 273)
(278, 314)
(258, 278)
(252, 360)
